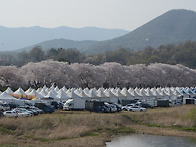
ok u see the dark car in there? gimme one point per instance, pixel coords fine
(146, 105)
(1, 114)
(46, 108)
(55, 104)
(13, 105)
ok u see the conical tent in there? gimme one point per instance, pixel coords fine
(64, 88)
(9, 90)
(120, 96)
(127, 95)
(101, 95)
(72, 95)
(51, 95)
(39, 90)
(56, 89)
(43, 92)
(19, 93)
(92, 95)
(28, 91)
(62, 95)
(83, 95)
(77, 91)
(35, 94)
(130, 90)
(112, 98)
(135, 95)
(5, 97)
(53, 91)
(86, 91)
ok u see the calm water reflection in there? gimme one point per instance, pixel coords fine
(151, 141)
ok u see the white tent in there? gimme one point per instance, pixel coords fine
(28, 91)
(135, 95)
(33, 92)
(56, 89)
(9, 90)
(83, 95)
(72, 94)
(5, 97)
(20, 91)
(43, 92)
(51, 94)
(127, 94)
(101, 95)
(39, 90)
(112, 98)
(92, 95)
(64, 88)
(62, 95)
(86, 91)
(120, 96)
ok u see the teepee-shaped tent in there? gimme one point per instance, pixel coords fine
(5, 97)
(9, 91)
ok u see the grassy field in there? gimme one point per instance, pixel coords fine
(82, 128)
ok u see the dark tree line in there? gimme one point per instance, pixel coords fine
(183, 53)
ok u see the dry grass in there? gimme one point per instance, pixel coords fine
(81, 128)
(182, 116)
(59, 126)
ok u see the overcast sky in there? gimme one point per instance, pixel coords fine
(121, 14)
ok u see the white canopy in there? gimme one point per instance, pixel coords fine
(9, 90)
(20, 91)
(43, 92)
(6, 97)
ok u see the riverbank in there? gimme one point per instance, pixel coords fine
(82, 128)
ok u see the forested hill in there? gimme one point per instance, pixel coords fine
(173, 27)
(183, 53)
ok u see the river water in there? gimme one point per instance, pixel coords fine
(141, 140)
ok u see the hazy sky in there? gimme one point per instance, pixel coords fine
(122, 14)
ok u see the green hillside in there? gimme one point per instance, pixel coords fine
(173, 27)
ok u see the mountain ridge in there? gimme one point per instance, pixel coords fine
(20, 37)
(172, 27)
(159, 31)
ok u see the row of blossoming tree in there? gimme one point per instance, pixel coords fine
(107, 75)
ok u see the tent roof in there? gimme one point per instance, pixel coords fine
(9, 90)
(20, 91)
(5, 95)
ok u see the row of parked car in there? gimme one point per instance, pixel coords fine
(138, 106)
(14, 110)
(22, 112)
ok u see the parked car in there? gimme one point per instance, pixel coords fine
(146, 105)
(35, 112)
(136, 108)
(108, 107)
(40, 111)
(55, 104)
(23, 112)
(113, 107)
(119, 107)
(45, 107)
(10, 114)
(13, 105)
(1, 113)
(4, 107)
(61, 105)
(126, 107)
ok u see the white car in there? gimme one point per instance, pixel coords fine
(23, 112)
(10, 114)
(126, 108)
(136, 108)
